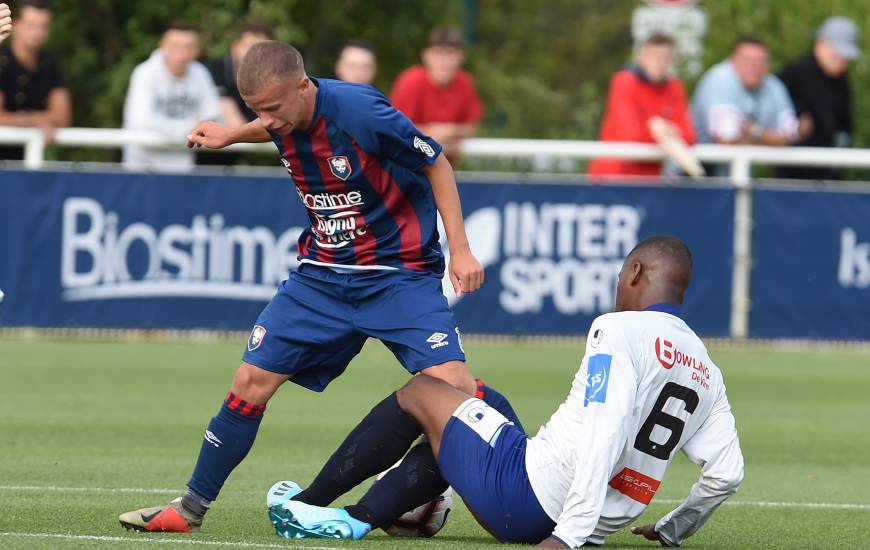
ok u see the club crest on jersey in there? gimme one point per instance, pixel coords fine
(597, 378)
(256, 338)
(340, 167)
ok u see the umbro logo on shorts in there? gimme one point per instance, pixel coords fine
(438, 339)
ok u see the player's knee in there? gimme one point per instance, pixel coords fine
(455, 373)
(254, 384)
(410, 394)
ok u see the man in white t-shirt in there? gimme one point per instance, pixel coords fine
(646, 388)
(169, 93)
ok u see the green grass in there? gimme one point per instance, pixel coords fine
(131, 415)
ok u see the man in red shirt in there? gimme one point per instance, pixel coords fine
(438, 96)
(643, 92)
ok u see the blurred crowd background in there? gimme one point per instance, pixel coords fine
(541, 69)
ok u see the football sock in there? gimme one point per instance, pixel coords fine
(414, 482)
(499, 402)
(195, 504)
(375, 444)
(228, 438)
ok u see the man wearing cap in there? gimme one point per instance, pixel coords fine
(818, 84)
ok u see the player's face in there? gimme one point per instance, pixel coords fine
(32, 27)
(752, 63)
(356, 65)
(180, 49)
(283, 105)
(657, 61)
(442, 62)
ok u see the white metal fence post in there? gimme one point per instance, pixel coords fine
(741, 303)
(34, 151)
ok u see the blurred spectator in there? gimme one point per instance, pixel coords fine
(5, 21)
(32, 93)
(169, 93)
(357, 62)
(440, 97)
(234, 111)
(819, 86)
(739, 101)
(644, 91)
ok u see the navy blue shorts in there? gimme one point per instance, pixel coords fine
(483, 457)
(319, 320)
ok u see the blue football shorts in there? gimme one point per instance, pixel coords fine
(483, 457)
(319, 320)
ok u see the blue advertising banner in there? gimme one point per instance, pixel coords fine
(149, 251)
(552, 252)
(194, 251)
(811, 276)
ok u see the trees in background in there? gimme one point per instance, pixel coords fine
(542, 67)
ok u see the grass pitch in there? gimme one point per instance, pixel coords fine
(89, 430)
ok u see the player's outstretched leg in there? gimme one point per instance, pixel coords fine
(375, 444)
(228, 438)
(425, 400)
(417, 479)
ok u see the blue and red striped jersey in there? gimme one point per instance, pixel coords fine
(358, 171)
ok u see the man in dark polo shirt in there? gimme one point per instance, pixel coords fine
(234, 112)
(818, 84)
(32, 93)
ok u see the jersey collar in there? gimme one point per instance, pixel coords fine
(665, 307)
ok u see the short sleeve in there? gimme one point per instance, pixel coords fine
(405, 95)
(383, 131)
(786, 120)
(53, 76)
(474, 107)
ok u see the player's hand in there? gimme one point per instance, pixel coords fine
(5, 21)
(550, 542)
(466, 273)
(647, 531)
(209, 134)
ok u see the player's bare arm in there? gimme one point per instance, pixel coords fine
(466, 273)
(217, 136)
(5, 21)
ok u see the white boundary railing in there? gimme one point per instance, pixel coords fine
(739, 158)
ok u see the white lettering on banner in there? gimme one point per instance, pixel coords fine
(205, 259)
(854, 261)
(568, 253)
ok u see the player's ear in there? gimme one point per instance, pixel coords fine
(635, 273)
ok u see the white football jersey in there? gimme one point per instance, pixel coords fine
(646, 389)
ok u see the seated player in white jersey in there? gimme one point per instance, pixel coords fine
(646, 388)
